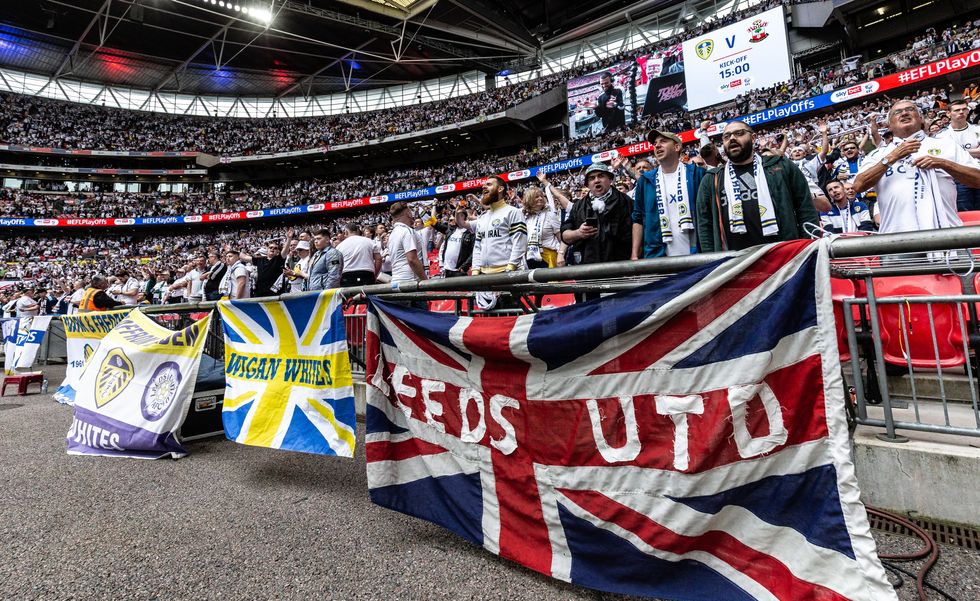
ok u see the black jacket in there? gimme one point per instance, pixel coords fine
(615, 238)
(465, 258)
(215, 275)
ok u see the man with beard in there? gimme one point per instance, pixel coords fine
(501, 233)
(610, 107)
(915, 175)
(599, 226)
(751, 199)
(663, 209)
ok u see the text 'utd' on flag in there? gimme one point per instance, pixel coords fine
(684, 440)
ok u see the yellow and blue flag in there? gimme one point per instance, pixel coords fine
(287, 374)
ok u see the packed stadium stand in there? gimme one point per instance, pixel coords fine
(173, 153)
(32, 127)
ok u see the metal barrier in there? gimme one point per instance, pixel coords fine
(861, 259)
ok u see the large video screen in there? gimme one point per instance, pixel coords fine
(745, 56)
(659, 82)
(600, 101)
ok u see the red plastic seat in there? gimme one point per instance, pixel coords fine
(553, 301)
(970, 217)
(915, 339)
(447, 305)
(841, 289)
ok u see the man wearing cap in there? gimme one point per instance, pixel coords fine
(300, 272)
(598, 228)
(664, 202)
(752, 199)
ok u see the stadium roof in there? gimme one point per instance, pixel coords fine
(279, 47)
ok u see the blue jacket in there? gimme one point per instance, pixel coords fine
(646, 211)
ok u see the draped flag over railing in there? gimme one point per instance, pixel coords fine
(83, 334)
(288, 374)
(685, 440)
(135, 390)
(22, 340)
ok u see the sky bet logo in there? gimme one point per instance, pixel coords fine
(377, 199)
(445, 188)
(45, 222)
(314, 208)
(254, 214)
(606, 155)
(192, 219)
(515, 175)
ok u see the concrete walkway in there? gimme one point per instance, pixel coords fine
(238, 522)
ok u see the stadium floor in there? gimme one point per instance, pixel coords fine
(247, 523)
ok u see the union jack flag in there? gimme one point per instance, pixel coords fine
(684, 440)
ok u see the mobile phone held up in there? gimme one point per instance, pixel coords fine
(592, 222)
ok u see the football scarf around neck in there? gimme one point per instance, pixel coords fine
(686, 222)
(733, 189)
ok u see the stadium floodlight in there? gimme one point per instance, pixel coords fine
(263, 15)
(221, 3)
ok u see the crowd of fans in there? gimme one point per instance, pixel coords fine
(52, 203)
(33, 121)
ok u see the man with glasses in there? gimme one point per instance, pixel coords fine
(915, 175)
(752, 199)
(268, 268)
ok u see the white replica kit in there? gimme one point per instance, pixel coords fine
(912, 199)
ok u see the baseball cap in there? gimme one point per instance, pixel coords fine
(652, 135)
(303, 245)
(601, 168)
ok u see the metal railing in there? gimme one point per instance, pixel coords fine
(860, 259)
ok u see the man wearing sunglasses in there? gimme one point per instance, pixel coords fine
(915, 175)
(752, 199)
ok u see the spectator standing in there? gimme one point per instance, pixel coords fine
(598, 227)
(327, 264)
(268, 269)
(95, 297)
(213, 276)
(26, 306)
(236, 284)
(362, 260)
(50, 303)
(127, 288)
(456, 252)
(664, 207)
(300, 272)
(752, 199)
(846, 215)
(915, 175)
(404, 246)
(967, 135)
(543, 229)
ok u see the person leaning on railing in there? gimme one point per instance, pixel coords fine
(95, 297)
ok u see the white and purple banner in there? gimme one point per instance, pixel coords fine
(135, 390)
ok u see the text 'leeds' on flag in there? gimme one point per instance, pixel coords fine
(135, 390)
(288, 377)
(684, 440)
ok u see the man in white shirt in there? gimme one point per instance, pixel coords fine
(362, 259)
(26, 306)
(76, 297)
(915, 175)
(404, 246)
(301, 271)
(127, 288)
(236, 283)
(967, 135)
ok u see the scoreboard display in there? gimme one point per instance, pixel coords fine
(748, 55)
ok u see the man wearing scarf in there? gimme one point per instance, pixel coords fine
(663, 209)
(752, 199)
(915, 175)
(599, 226)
